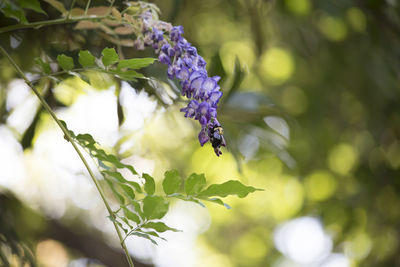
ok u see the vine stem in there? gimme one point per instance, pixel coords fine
(39, 24)
(75, 146)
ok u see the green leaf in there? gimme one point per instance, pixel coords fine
(155, 207)
(188, 198)
(150, 185)
(117, 195)
(128, 191)
(66, 62)
(57, 5)
(138, 209)
(135, 63)
(103, 156)
(129, 75)
(194, 184)
(121, 226)
(144, 236)
(218, 201)
(32, 4)
(14, 11)
(109, 56)
(86, 59)
(131, 216)
(172, 182)
(152, 233)
(159, 227)
(125, 220)
(228, 188)
(85, 139)
(118, 176)
(43, 65)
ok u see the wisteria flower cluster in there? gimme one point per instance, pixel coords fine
(189, 68)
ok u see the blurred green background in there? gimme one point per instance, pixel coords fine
(311, 113)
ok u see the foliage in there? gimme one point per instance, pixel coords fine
(139, 205)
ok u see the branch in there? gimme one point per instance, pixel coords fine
(72, 141)
(39, 24)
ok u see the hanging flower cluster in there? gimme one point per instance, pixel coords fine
(190, 69)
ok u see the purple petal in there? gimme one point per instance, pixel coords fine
(203, 137)
(208, 86)
(176, 33)
(214, 97)
(163, 58)
(197, 73)
(192, 51)
(196, 85)
(201, 62)
(216, 78)
(183, 74)
(165, 48)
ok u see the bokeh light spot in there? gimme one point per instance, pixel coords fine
(320, 185)
(69, 90)
(298, 7)
(276, 65)
(303, 240)
(50, 253)
(359, 246)
(356, 19)
(342, 158)
(332, 28)
(250, 249)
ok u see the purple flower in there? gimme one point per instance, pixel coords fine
(164, 58)
(192, 51)
(191, 108)
(157, 35)
(214, 97)
(203, 137)
(189, 68)
(176, 33)
(196, 86)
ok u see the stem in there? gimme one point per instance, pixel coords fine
(39, 24)
(72, 141)
(111, 4)
(87, 7)
(70, 10)
(80, 70)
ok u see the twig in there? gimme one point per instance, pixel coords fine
(87, 7)
(39, 24)
(70, 10)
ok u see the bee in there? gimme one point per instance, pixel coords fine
(217, 138)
